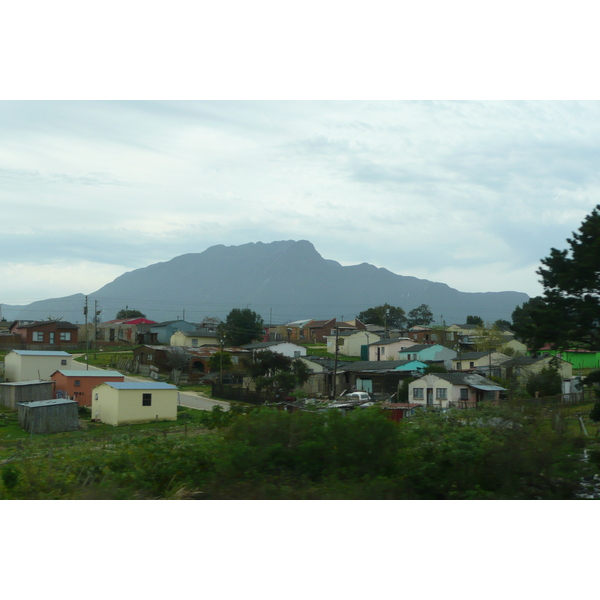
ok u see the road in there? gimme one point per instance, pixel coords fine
(188, 399)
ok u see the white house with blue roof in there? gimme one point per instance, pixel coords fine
(123, 402)
(32, 365)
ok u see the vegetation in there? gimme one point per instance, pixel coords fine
(243, 326)
(474, 320)
(567, 314)
(130, 313)
(276, 371)
(548, 382)
(384, 315)
(489, 453)
(421, 315)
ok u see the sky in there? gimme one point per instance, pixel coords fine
(468, 193)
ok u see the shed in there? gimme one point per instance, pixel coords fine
(31, 365)
(13, 393)
(49, 416)
(119, 403)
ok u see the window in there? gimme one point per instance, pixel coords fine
(472, 365)
(464, 394)
(77, 382)
(458, 366)
(296, 353)
(51, 334)
(441, 393)
(194, 342)
(149, 357)
(382, 351)
(63, 361)
(146, 399)
(38, 336)
(65, 336)
(417, 392)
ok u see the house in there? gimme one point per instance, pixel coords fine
(580, 359)
(430, 335)
(522, 366)
(49, 416)
(429, 353)
(120, 403)
(11, 394)
(78, 384)
(286, 348)
(195, 338)
(315, 331)
(374, 377)
(389, 349)
(30, 365)
(46, 333)
(165, 330)
(480, 361)
(129, 331)
(447, 390)
(352, 343)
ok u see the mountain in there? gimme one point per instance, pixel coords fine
(283, 281)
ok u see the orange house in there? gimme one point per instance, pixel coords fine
(78, 385)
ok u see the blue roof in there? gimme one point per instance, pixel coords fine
(85, 373)
(140, 385)
(41, 352)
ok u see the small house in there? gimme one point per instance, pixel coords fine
(49, 416)
(78, 384)
(33, 365)
(286, 348)
(11, 394)
(120, 403)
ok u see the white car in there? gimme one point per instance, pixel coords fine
(357, 396)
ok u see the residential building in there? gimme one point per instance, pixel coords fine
(120, 403)
(195, 338)
(447, 390)
(429, 353)
(389, 349)
(352, 343)
(78, 384)
(11, 394)
(523, 366)
(165, 330)
(286, 348)
(480, 361)
(34, 365)
(46, 333)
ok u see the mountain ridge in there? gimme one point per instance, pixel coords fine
(284, 280)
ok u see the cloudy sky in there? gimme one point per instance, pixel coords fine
(471, 194)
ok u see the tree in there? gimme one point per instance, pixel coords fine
(130, 313)
(386, 314)
(243, 326)
(421, 315)
(547, 382)
(503, 325)
(474, 320)
(273, 370)
(487, 339)
(220, 360)
(569, 311)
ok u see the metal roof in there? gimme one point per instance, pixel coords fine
(489, 388)
(86, 373)
(140, 385)
(32, 382)
(41, 352)
(38, 403)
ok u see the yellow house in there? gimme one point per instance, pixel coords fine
(34, 365)
(122, 402)
(194, 339)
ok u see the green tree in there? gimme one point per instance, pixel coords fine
(568, 312)
(220, 360)
(386, 314)
(503, 325)
(243, 326)
(487, 339)
(273, 370)
(421, 315)
(474, 320)
(130, 313)
(547, 382)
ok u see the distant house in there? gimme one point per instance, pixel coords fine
(29, 365)
(352, 342)
(429, 353)
(446, 390)
(379, 377)
(120, 403)
(165, 330)
(46, 333)
(11, 394)
(129, 331)
(78, 384)
(482, 361)
(195, 338)
(389, 349)
(315, 331)
(286, 348)
(49, 416)
(429, 335)
(523, 366)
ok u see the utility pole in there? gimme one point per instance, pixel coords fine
(96, 314)
(335, 362)
(87, 345)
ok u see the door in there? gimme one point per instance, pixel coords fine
(429, 396)
(52, 337)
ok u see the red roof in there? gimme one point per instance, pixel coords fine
(138, 321)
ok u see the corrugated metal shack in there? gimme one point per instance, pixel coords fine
(49, 416)
(11, 394)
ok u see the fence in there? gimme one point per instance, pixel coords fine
(242, 394)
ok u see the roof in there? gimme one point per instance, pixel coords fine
(469, 379)
(140, 385)
(165, 323)
(373, 365)
(200, 333)
(399, 405)
(471, 355)
(54, 402)
(33, 382)
(392, 341)
(62, 324)
(136, 321)
(418, 348)
(268, 344)
(82, 373)
(41, 352)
